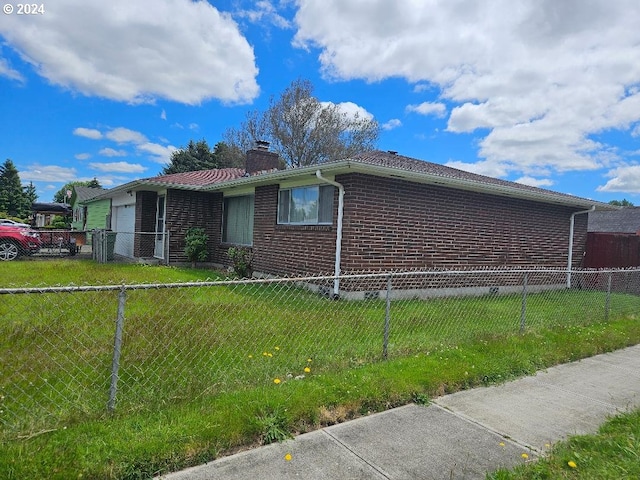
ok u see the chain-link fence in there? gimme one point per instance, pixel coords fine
(80, 351)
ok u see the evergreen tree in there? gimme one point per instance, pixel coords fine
(621, 203)
(196, 156)
(13, 199)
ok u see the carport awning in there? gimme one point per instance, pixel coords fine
(53, 208)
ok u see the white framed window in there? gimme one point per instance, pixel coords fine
(237, 222)
(312, 205)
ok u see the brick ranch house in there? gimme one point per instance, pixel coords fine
(377, 211)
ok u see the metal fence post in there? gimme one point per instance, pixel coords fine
(607, 303)
(523, 311)
(117, 348)
(387, 318)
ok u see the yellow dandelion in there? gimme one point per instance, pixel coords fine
(276, 381)
(250, 356)
(501, 444)
(307, 369)
(270, 354)
(287, 457)
(525, 456)
(309, 360)
(277, 348)
(265, 353)
(572, 464)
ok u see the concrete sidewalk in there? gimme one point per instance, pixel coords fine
(463, 435)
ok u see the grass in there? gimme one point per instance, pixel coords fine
(199, 364)
(613, 453)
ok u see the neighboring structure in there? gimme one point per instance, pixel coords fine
(44, 213)
(376, 211)
(613, 239)
(621, 220)
(84, 218)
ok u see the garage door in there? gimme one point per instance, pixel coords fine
(124, 223)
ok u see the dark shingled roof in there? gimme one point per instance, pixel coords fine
(198, 178)
(625, 220)
(393, 160)
(87, 193)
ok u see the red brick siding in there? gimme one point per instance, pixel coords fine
(287, 249)
(393, 224)
(146, 204)
(390, 224)
(186, 209)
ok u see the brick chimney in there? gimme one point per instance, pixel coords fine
(261, 160)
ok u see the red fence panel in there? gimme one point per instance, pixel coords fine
(612, 250)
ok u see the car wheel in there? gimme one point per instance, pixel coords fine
(8, 250)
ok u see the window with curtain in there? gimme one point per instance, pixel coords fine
(312, 205)
(237, 227)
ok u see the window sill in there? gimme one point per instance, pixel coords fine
(312, 228)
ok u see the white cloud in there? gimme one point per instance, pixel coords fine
(158, 153)
(535, 80)
(194, 126)
(350, 110)
(110, 152)
(535, 182)
(428, 108)
(623, 179)
(264, 12)
(7, 71)
(163, 115)
(82, 156)
(135, 52)
(91, 133)
(48, 173)
(481, 168)
(118, 167)
(391, 124)
(124, 135)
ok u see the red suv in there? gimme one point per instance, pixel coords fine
(17, 241)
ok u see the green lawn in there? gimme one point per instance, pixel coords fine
(613, 453)
(206, 369)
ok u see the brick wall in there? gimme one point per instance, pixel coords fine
(186, 209)
(391, 224)
(146, 204)
(287, 249)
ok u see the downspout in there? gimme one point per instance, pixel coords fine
(336, 272)
(570, 260)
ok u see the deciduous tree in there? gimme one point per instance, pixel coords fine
(303, 130)
(62, 195)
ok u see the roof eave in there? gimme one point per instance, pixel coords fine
(419, 177)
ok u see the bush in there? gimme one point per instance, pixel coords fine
(196, 245)
(241, 260)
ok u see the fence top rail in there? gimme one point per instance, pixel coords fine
(301, 279)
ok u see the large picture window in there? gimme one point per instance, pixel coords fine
(311, 205)
(237, 225)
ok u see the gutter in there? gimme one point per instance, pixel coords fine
(570, 256)
(336, 272)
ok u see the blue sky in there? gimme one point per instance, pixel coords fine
(541, 92)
